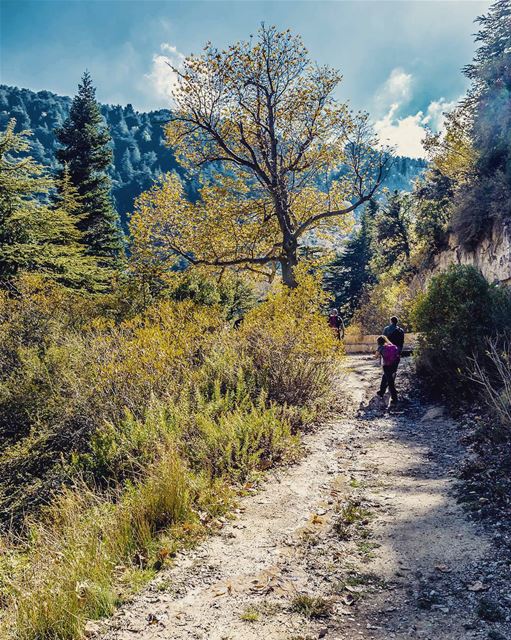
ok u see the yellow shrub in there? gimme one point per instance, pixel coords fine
(157, 416)
(293, 350)
(388, 297)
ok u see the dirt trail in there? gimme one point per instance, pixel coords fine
(365, 527)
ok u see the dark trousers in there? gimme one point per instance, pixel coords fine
(387, 380)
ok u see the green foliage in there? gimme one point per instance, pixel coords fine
(34, 235)
(388, 265)
(348, 275)
(87, 154)
(392, 236)
(137, 140)
(486, 196)
(232, 292)
(456, 315)
(432, 203)
(22, 183)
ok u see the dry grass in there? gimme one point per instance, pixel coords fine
(148, 425)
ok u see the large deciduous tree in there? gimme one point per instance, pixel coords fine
(86, 152)
(265, 115)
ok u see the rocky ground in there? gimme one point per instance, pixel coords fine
(363, 538)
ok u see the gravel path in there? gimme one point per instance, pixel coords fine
(363, 538)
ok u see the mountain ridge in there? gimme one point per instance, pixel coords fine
(138, 143)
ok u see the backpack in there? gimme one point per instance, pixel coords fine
(397, 337)
(390, 355)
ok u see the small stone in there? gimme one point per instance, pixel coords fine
(91, 629)
(433, 414)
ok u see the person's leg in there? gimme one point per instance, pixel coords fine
(383, 384)
(395, 367)
(391, 374)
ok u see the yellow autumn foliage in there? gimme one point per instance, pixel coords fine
(135, 431)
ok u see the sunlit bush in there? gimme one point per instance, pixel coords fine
(292, 348)
(455, 316)
(149, 422)
(388, 297)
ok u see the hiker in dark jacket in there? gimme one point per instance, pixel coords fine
(395, 333)
(336, 322)
(389, 354)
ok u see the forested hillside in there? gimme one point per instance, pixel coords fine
(138, 141)
(151, 375)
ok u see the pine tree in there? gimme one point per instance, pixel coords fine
(34, 236)
(391, 236)
(86, 152)
(487, 195)
(23, 186)
(65, 251)
(348, 275)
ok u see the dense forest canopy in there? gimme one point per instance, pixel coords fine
(138, 143)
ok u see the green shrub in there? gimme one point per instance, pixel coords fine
(135, 433)
(455, 316)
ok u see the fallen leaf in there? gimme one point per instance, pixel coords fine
(478, 586)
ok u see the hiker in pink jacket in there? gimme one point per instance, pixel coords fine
(389, 354)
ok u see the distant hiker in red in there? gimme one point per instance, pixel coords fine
(389, 354)
(335, 321)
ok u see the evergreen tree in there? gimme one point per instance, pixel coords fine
(487, 196)
(350, 273)
(22, 188)
(66, 254)
(34, 236)
(88, 155)
(391, 236)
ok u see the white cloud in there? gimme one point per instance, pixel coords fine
(163, 78)
(406, 134)
(435, 117)
(396, 89)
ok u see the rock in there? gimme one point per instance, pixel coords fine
(91, 629)
(434, 413)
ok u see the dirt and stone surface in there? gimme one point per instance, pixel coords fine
(362, 538)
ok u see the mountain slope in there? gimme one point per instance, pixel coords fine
(140, 153)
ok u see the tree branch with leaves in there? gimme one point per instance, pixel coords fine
(263, 118)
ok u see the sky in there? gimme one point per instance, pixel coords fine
(401, 60)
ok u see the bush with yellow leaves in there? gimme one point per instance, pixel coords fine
(134, 433)
(388, 297)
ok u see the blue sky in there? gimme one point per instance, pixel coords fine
(400, 60)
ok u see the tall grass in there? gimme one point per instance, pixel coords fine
(493, 377)
(69, 568)
(135, 437)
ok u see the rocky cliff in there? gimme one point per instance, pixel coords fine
(492, 257)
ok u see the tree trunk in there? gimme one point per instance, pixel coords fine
(288, 263)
